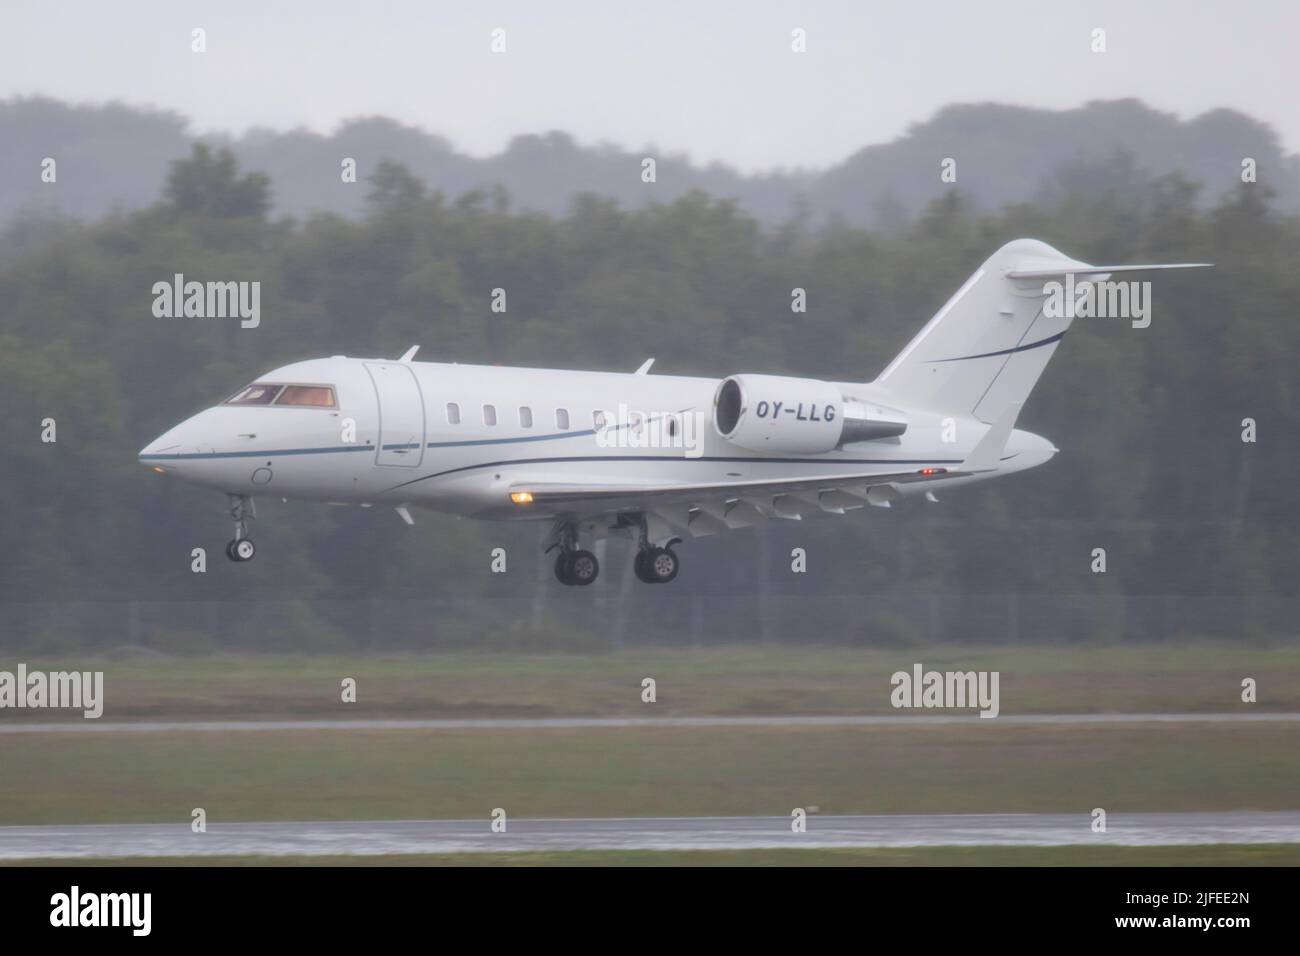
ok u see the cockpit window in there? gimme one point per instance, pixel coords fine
(256, 394)
(306, 396)
(316, 396)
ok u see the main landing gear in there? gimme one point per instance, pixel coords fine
(577, 567)
(242, 547)
(654, 565)
(574, 566)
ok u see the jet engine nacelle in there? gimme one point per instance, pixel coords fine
(773, 413)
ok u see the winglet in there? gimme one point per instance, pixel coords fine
(987, 453)
(409, 354)
(645, 367)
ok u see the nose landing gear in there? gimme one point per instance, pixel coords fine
(242, 547)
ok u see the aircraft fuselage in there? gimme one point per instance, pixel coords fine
(391, 439)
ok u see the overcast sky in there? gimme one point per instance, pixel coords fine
(717, 81)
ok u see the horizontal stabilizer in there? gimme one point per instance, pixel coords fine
(1099, 270)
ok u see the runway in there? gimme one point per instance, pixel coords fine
(82, 725)
(384, 837)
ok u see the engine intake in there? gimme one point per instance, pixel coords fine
(774, 413)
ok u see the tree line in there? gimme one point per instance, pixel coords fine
(1199, 526)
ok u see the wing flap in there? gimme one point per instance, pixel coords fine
(760, 498)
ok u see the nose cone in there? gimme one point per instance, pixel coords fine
(158, 448)
(194, 450)
(182, 443)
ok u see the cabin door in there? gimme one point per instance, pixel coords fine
(401, 414)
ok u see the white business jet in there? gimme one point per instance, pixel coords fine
(651, 456)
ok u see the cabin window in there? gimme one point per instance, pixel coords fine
(453, 413)
(525, 417)
(672, 426)
(489, 414)
(258, 394)
(562, 419)
(312, 396)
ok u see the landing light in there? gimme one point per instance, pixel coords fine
(161, 471)
(521, 497)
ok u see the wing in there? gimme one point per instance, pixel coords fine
(707, 508)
